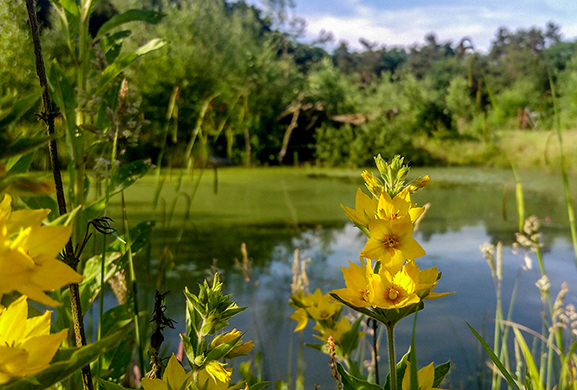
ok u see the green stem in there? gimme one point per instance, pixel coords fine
(101, 304)
(392, 360)
(133, 285)
(570, 210)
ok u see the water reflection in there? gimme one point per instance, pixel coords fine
(468, 208)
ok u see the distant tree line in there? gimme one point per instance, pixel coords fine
(247, 90)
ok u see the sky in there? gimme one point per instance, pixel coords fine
(406, 22)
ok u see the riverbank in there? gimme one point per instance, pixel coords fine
(526, 148)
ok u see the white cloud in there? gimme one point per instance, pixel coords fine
(408, 26)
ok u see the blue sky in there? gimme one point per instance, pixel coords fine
(405, 22)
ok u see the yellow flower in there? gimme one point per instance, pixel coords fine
(28, 253)
(26, 345)
(391, 243)
(373, 183)
(365, 209)
(419, 183)
(239, 349)
(395, 292)
(173, 378)
(316, 306)
(398, 207)
(359, 291)
(323, 307)
(214, 376)
(337, 332)
(425, 376)
(301, 316)
(426, 280)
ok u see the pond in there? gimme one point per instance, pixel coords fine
(277, 210)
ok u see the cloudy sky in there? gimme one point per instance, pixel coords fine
(405, 22)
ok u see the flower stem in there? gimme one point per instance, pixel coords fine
(376, 351)
(392, 360)
(48, 116)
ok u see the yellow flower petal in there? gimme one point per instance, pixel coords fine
(153, 384)
(26, 347)
(41, 349)
(175, 375)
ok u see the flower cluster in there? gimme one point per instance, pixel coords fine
(26, 345)
(323, 309)
(388, 218)
(28, 253)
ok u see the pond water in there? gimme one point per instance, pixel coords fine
(277, 210)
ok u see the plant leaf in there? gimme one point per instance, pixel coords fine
(494, 358)
(118, 66)
(132, 15)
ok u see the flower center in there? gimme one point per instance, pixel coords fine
(393, 293)
(365, 295)
(391, 241)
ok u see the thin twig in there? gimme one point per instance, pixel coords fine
(48, 116)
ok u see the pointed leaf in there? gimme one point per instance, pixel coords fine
(494, 358)
(20, 107)
(118, 66)
(131, 15)
(352, 383)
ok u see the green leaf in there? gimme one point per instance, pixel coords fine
(140, 236)
(532, 370)
(20, 107)
(70, 6)
(188, 348)
(259, 385)
(23, 145)
(351, 338)
(19, 164)
(132, 15)
(221, 350)
(59, 371)
(441, 372)
(118, 66)
(494, 358)
(64, 97)
(127, 175)
(318, 347)
(399, 371)
(352, 383)
(107, 385)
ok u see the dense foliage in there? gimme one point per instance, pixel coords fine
(246, 90)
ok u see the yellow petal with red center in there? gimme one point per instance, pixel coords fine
(41, 350)
(395, 208)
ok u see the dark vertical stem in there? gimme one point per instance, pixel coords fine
(375, 351)
(48, 116)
